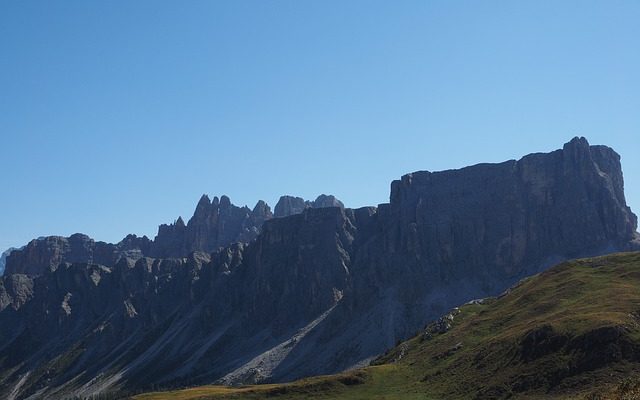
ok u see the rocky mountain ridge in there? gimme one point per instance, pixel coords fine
(215, 224)
(315, 292)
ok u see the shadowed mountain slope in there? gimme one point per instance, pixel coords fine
(572, 332)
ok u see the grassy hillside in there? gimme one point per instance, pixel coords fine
(572, 332)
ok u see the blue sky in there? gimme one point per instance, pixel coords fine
(116, 116)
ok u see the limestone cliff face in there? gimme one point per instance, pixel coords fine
(289, 205)
(45, 254)
(3, 259)
(214, 224)
(299, 264)
(316, 291)
(510, 219)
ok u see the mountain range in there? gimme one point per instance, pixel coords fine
(244, 296)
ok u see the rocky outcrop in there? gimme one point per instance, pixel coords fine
(45, 254)
(15, 291)
(318, 291)
(3, 259)
(214, 224)
(326, 201)
(289, 205)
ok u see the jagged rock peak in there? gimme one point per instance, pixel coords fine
(225, 201)
(204, 201)
(204, 205)
(577, 142)
(262, 209)
(214, 224)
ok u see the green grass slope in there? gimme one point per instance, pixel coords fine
(572, 332)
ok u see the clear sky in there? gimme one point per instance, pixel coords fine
(115, 116)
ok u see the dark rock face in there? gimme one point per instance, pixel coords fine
(316, 291)
(289, 205)
(158, 313)
(15, 291)
(214, 224)
(45, 254)
(3, 259)
(327, 201)
(304, 261)
(501, 220)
